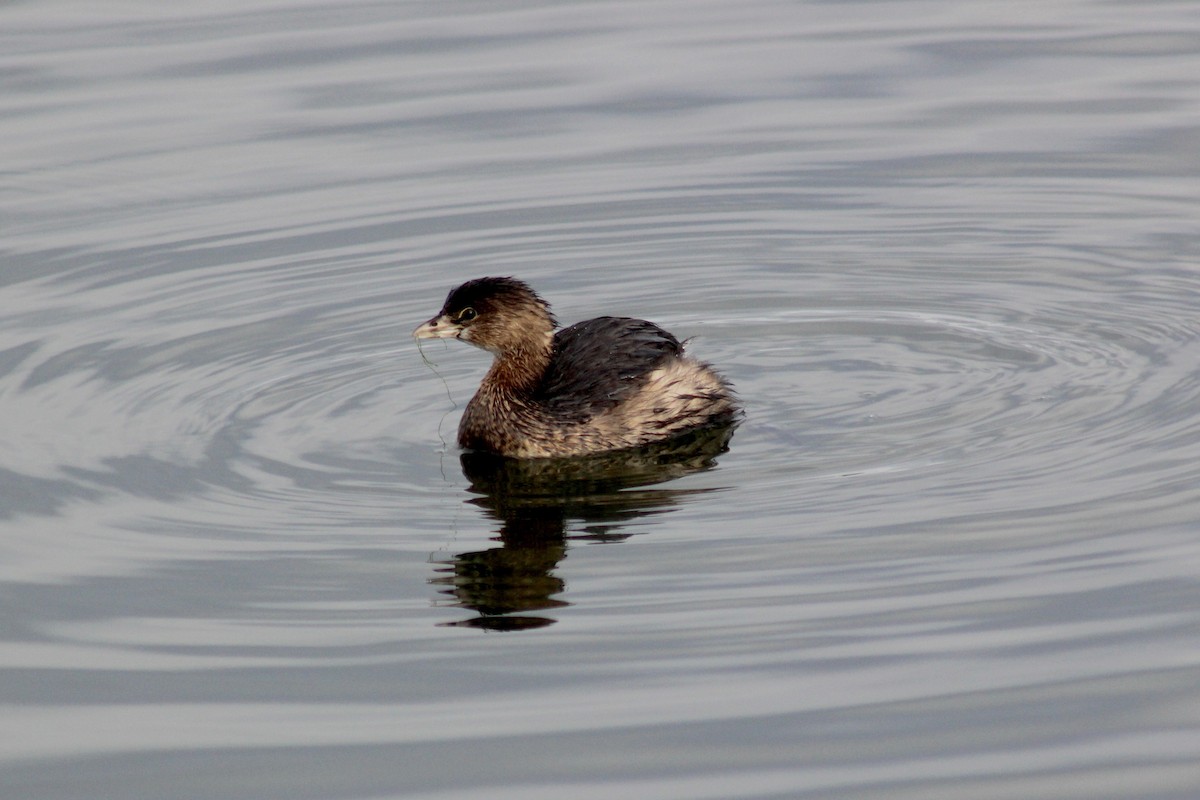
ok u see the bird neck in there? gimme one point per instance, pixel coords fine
(520, 370)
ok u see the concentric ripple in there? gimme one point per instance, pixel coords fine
(1035, 411)
(948, 260)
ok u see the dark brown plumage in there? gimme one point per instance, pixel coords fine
(604, 384)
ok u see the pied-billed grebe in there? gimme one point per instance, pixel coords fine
(604, 384)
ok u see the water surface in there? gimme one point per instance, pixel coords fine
(946, 251)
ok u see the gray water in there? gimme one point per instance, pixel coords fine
(947, 251)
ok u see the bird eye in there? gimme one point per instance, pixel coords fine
(466, 315)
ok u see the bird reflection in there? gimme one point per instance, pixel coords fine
(534, 500)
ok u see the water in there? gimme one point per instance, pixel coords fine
(946, 251)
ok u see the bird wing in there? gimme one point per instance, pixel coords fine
(599, 363)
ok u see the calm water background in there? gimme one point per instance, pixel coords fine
(948, 252)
